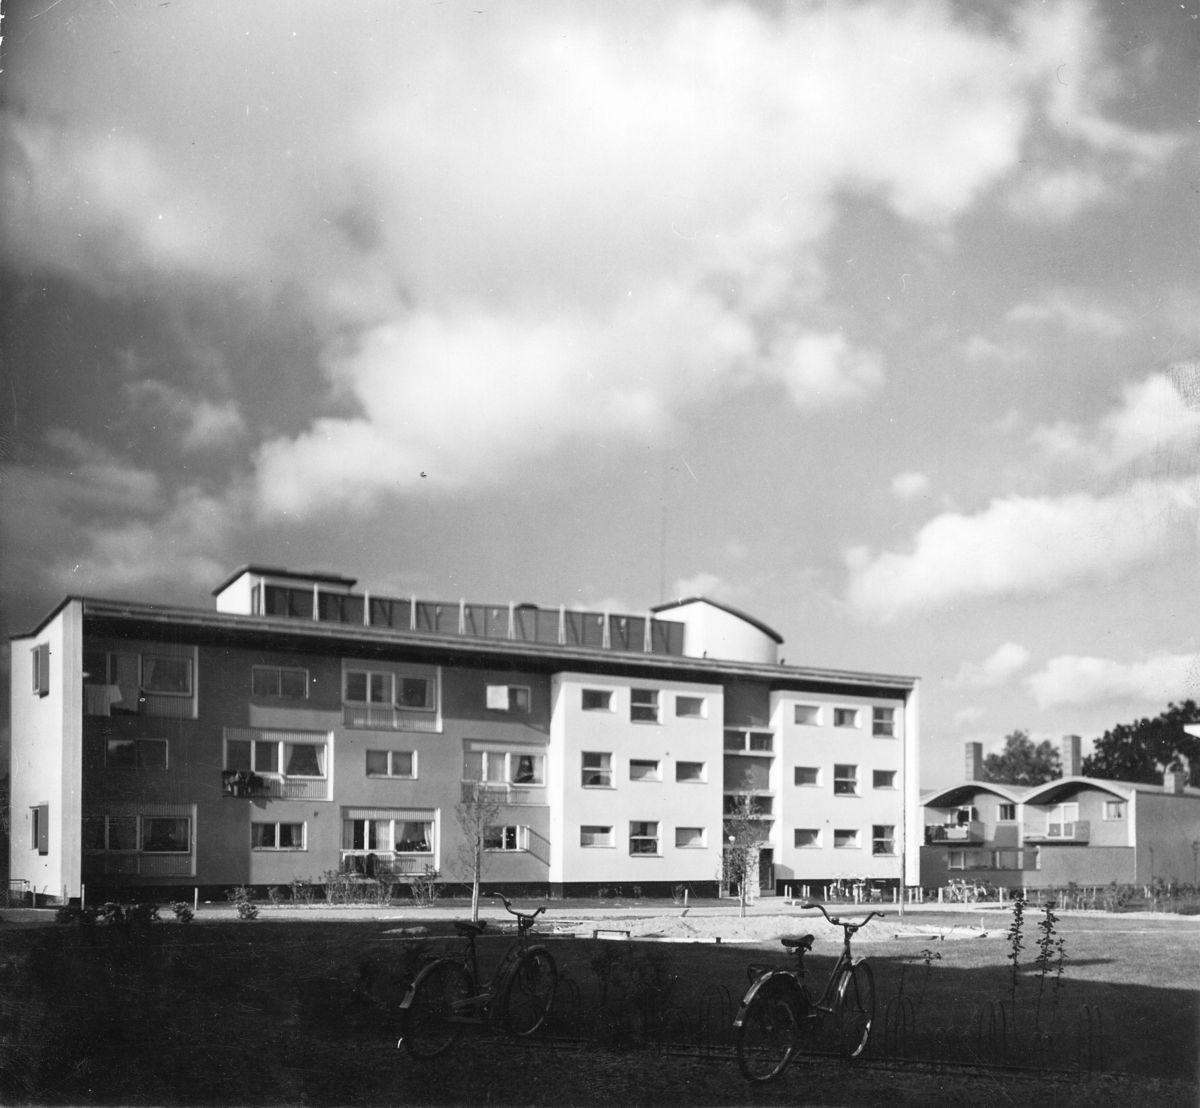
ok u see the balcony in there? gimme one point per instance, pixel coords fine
(130, 864)
(383, 717)
(971, 832)
(1079, 832)
(369, 863)
(243, 783)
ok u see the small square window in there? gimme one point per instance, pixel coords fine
(845, 717)
(690, 707)
(591, 835)
(689, 771)
(689, 838)
(1114, 809)
(883, 722)
(807, 838)
(1007, 813)
(845, 839)
(508, 698)
(643, 705)
(883, 779)
(761, 741)
(845, 780)
(641, 769)
(507, 838)
(415, 693)
(120, 753)
(597, 700)
(883, 839)
(643, 837)
(808, 715)
(807, 775)
(597, 770)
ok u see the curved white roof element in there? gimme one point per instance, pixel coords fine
(714, 630)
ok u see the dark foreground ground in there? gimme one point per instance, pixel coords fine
(291, 1013)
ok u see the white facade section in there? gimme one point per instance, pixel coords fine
(841, 798)
(235, 597)
(712, 632)
(639, 772)
(46, 761)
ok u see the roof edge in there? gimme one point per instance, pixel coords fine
(752, 620)
(280, 571)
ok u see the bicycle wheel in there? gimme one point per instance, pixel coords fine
(767, 1037)
(854, 1012)
(438, 996)
(529, 991)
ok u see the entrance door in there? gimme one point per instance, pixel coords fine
(766, 870)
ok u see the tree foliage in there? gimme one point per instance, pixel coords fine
(1141, 751)
(743, 838)
(476, 813)
(1023, 763)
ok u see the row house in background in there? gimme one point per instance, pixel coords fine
(1073, 829)
(301, 727)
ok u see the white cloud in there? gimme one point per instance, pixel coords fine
(701, 584)
(204, 424)
(1073, 310)
(1076, 681)
(978, 348)
(1024, 545)
(996, 669)
(908, 486)
(965, 716)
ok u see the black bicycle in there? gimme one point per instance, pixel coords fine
(777, 1009)
(447, 995)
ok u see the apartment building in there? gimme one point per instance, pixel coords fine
(302, 727)
(1073, 829)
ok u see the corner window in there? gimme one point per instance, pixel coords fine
(166, 835)
(1114, 809)
(689, 771)
(591, 835)
(641, 769)
(391, 763)
(883, 779)
(845, 839)
(507, 838)
(883, 839)
(504, 767)
(597, 770)
(808, 715)
(508, 698)
(277, 836)
(809, 776)
(691, 707)
(807, 838)
(845, 780)
(597, 700)
(883, 722)
(689, 838)
(40, 656)
(284, 682)
(845, 717)
(643, 837)
(1007, 813)
(135, 753)
(643, 705)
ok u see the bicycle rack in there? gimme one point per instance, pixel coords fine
(899, 1022)
(991, 1032)
(716, 1005)
(1041, 1045)
(1089, 1041)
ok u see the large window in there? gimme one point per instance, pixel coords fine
(276, 757)
(134, 834)
(166, 676)
(883, 839)
(592, 835)
(284, 682)
(400, 836)
(392, 763)
(154, 682)
(504, 767)
(1061, 820)
(277, 836)
(135, 753)
(506, 838)
(845, 780)
(643, 705)
(597, 770)
(643, 769)
(508, 698)
(166, 835)
(412, 693)
(883, 722)
(643, 837)
(690, 771)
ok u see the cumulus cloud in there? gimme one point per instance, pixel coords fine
(1024, 545)
(203, 424)
(908, 486)
(996, 669)
(1073, 310)
(701, 584)
(1075, 681)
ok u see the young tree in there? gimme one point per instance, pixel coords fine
(1141, 751)
(1023, 763)
(476, 814)
(743, 837)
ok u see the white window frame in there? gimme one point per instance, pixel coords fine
(604, 695)
(508, 698)
(281, 758)
(279, 671)
(391, 762)
(602, 768)
(139, 837)
(392, 684)
(700, 779)
(799, 709)
(840, 715)
(596, 831)
(842, 779)
(654, 774)
(519, 838)
(1070, 815)
(509, 759)
(891, 779)
(651, 699)
(883, 721)
(880, 836)
(138, 744)
(815, 832)
(302, 824)
(701, 844)
(815, 783)
(1001, 817)
(647, 836)
(853, 838)
(392, 846)
(750, 739)
(41, 668)
(700, 703)
(1114, 811)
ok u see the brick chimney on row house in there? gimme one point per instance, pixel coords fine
(1174, 781)
(1072, 763)
(974, 766)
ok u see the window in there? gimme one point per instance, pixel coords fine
(754, 741)
(845, 780)
(387, 835)
(166, 835)
(1061, 820)
(508, 698)
(807, 775)
(117, 680)
(504, 767)
(391, 763)
(41, 669)
(166, 676)
(643, 705)
(845, 717)
(591, 836)
(135, 753)
(961, 817)
(689, 838)
(1114, 809)
(883, 839)
(277, 836)
(1007, 813)
(689, 771)
(279, 681)
(748, 806)
(412, 836)
(844, 839)
(399, 690)
(883, 779)
(643, 838)
(808, 715)
(643, 770)
(40, 819)
(275, 757)
(597, 700)
(690, 707)
(506, 838)
(597, 770)
(807, 838)
(883, 722)
(956, 859)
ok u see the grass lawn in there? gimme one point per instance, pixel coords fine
(269, 1012)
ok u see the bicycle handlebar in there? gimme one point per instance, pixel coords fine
(850, 927)
(520, 915)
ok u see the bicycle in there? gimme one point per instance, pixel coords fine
(447, 996)
(777, 1008)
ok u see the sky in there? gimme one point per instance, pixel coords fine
(878, 321)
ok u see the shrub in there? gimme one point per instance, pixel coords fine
(425, 888)
(246, 908)
(302, 891)
(183, 911)
(275, 895)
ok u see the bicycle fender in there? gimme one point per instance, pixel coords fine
(412, 989)
(775, 979)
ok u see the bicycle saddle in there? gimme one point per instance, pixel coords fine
(804, 942)
(466, 927)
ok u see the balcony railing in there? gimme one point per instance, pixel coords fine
(1078, 831)
(139, 865)
(383, 717)
(954, 832)
(370, 863)
(242, 783)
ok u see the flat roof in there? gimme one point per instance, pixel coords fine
(291, 574)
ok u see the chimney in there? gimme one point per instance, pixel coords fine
(1174, 781)
(1071, 762)
(974, 753)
